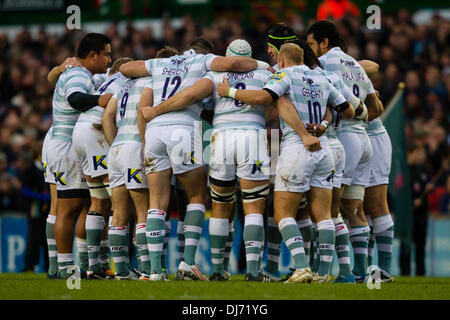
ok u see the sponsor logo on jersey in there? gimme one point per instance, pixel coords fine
(99, 161)
(278, 76)
(133, 174)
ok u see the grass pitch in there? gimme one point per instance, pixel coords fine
(30, 286)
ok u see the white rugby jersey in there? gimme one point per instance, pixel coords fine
(170, 75)
(354, 77)
(234, 114)
(76, 79)
(308, 90)
(128, 97)
(110, 85)
(334, 128)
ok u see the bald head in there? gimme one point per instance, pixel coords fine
(290, 55)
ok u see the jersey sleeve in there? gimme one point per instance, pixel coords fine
(335, 98)
(78, 81)
(149, 65)
(208, 60)
(279, 83)
(370, 88)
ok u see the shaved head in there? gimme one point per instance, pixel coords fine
(292, 53)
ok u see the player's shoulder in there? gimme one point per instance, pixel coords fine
(77, 72)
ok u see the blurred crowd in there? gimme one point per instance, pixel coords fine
(418, 55)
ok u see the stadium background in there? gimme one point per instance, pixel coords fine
(412, 47)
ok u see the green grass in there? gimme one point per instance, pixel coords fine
(37, 286)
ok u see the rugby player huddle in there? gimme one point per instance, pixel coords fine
(123, 145)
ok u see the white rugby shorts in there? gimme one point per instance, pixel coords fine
(339, 161)
(48, 176)
(92, 149)
(126, 166)
(381, 160)
(65, 166)
(299, 169)
(358, 157)
(173, 146)
(239, 153)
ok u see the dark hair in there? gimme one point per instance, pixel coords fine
(201, 45)
(167, 52)
(279, 34)
(342, 45)
(324, 29)
(92, 42)
(309, 58)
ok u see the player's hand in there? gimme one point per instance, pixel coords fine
(316, 129)
(104, 99)
(311, 143)
(271, 69)
(149, 113)
(222, 88)
(70, 63)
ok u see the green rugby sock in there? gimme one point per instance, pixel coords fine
(274, 239)
(342, 247)
(326, 245)
(193, 225)
(294, 241)
(155, 232)
(228, 245)
(253, 232)
(142, 249)
(359, 237)
(117, 238)
(94, 229)
(305, 227)
(51, 244)
(218, 234)
(383, 227)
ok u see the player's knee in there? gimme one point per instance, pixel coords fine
(99, 190)
(250, 195)
(222, 197)
(353, 192)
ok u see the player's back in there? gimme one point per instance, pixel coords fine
(309, 92)
(354, 77)
(75, 79)
(128, 97)
(234, 114)
(170, 75)
(111, 85)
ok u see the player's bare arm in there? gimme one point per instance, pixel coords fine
(145, 103)
(374, 106)
(54, 74)
(237, 64)
(199, 91)
(109, 121)
(251, 97)
(319, 130)
(370, 67)
(288, 113)
(134, 69)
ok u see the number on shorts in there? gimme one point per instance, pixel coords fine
(356, 90)
(105, 86)
(315, 115)
(239, 86)
(176, 81)
(123, 105)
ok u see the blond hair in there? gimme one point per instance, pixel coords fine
(292, 53)
(117, 63)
